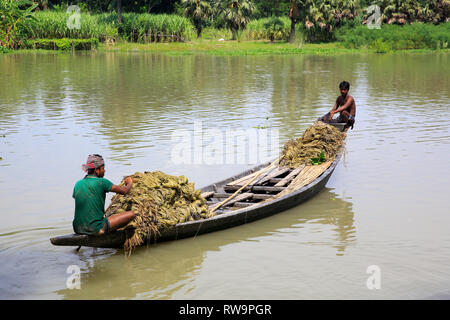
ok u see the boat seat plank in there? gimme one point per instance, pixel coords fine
(260, 196)
(239, 198)
(222, 195)
(240, 204)
(290, 176)
(275, 174)
(255, 188)
(208, 194)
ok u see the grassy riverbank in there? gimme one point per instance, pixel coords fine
(236, 48)
(252, 48)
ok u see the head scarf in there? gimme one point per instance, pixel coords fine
(94, 161)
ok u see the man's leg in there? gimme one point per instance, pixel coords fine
(117, 221)
(346, 119)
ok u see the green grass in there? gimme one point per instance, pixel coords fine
(235, 48)
(230, 48)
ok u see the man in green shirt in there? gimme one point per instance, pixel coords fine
(89, 194)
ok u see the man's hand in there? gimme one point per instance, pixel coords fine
(125, 189)
(128, 181)
(331, 115)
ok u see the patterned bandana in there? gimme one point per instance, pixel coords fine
(94, 161)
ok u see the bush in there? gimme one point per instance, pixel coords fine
(216, 34)
(275, 28)
(4, 50)
(62, 44)
(412, 36)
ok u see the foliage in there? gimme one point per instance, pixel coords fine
(274, 28)
(319, 160)
(102, 6)
(198, 11)
(271, 8)
(53, 25)
(156, 27)
(62, 44)
(135, 27)
(211, 33)
(14, 15)
(321, 17)
(411, 36)
(236, 13)
(408, 11)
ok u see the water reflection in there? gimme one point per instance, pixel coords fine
(162, 270)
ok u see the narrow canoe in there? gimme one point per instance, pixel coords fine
(276, 190)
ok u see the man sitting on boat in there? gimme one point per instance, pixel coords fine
(89, 194)
(345, 105)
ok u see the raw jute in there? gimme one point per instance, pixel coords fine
(159, 201)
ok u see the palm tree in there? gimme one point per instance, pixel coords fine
(198, 11)
(237, 14)
(294, 15)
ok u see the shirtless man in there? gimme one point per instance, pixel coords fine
(345, 105)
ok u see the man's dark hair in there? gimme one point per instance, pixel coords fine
(344, 85)
(91, 171)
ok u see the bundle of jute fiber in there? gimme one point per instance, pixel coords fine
(159, 201)
(318, 138)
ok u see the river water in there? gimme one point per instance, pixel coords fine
(379, 230)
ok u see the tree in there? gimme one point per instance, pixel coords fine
(294, 15)
(198, 11)
(237, 14)
(321, 17)
(119, 11)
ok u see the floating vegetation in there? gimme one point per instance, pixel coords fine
(320, 142)
(159, 201)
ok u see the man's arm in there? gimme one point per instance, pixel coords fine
(345, 105)
(333, 111)
(125, 189)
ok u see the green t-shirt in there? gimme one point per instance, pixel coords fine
(89, 194)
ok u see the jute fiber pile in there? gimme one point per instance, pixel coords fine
(159, 202)
(318, 138)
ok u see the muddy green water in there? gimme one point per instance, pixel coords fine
(386, 204)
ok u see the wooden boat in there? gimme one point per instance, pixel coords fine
(264, 190)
